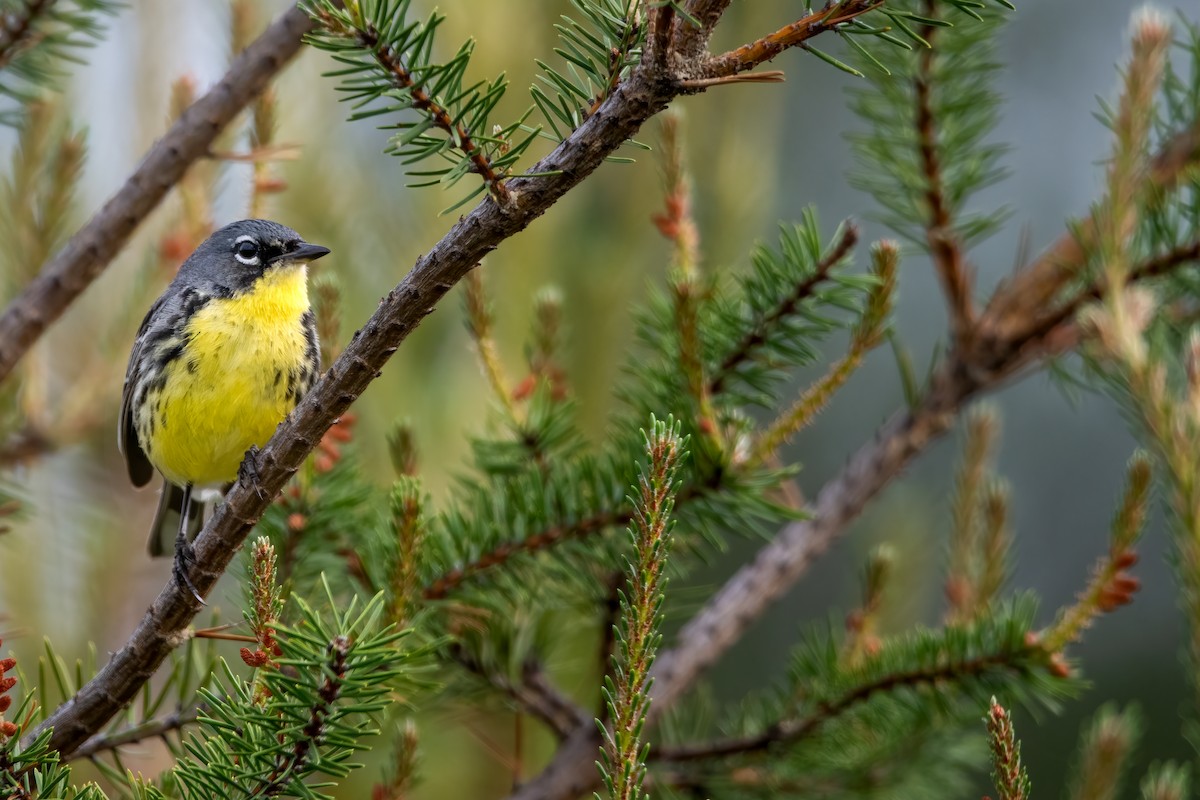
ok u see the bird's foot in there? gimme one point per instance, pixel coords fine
(185, 559)
(248, 469)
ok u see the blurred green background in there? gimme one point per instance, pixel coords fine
(76, 563)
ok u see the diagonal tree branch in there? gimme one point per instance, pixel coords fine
(90, 250)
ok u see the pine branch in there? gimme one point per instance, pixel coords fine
(291, 762)
(1059, 322)
(73, 268)
(791, 731)
(804, 290)
(1018, 308)
(390, 57)
(867, 335)
(451, 581)
(36, 38)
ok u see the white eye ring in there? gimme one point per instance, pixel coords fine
(249, 261)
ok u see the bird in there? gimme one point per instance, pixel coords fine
(222, 357)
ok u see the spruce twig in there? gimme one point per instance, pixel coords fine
(862, 636)
(627, 689)
(962, 580)
(1104, 751)
(408, 524)
(393, 55)
(1111, 585)
(1008, 773)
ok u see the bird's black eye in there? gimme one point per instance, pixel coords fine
(246, 251)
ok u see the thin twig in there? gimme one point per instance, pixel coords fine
(73, 268)
(749, 56)
(150, 729)
(944, 245)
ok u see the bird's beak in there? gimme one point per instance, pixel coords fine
(304, 253)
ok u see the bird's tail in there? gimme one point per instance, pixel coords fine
(167, 518)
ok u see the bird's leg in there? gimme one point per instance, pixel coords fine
(185, 557)
(248, 469)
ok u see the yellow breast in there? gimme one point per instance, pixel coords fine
(245, 365)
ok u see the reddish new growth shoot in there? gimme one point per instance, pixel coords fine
(7, 729)
(266, 606)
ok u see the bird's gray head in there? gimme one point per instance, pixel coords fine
(237, 255)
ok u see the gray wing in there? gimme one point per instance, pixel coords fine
(163, 323)
(140, 468)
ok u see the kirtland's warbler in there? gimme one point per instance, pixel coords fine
(222, 357)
